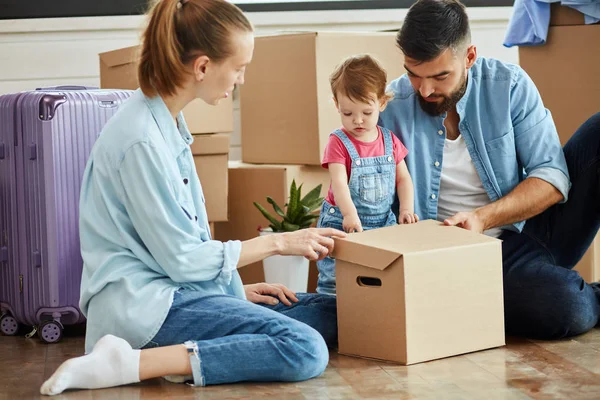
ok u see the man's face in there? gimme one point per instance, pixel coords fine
(441, 82)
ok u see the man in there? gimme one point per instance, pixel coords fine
(485, 156)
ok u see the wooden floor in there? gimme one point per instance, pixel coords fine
(567, 369)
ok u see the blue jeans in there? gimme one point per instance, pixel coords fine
(240, 341)
(543, 297)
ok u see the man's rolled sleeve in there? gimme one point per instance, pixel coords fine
(536, 139)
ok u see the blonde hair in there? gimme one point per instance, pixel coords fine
(358, 77)
(179, 31)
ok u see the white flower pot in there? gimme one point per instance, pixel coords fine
(291, 271)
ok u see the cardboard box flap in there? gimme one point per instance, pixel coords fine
(210, 144)
(363, 254)
(122, 56)
(376, 247)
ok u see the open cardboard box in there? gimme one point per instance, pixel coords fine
(419, 292)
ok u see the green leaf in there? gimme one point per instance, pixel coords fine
(266, 214)
(293, 201)
(277, 228)
(316, 204)
(312, 195)
(302, 212)
(307, 223)
(298, 204)
(290, 227)
(276, 207)
(309, 217)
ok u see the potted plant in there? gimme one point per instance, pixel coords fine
(300, 213)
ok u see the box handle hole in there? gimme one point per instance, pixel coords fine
(368, 281)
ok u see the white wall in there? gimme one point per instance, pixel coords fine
(45, 52)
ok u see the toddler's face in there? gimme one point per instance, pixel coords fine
(359, 119)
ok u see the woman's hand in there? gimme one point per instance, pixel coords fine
(312, 243)
(267, 293)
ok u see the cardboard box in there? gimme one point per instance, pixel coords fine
(568, 82)
(569, 85)
(286, 101)
(118, 70)
(211, 154)
(413, 293)
(313, 277)
(563, 15)
(251, 182)
(589, 265)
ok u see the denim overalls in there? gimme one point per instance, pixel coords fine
(372, 186)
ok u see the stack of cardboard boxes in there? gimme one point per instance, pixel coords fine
(210, 125)
(287, 114)
(565, 70)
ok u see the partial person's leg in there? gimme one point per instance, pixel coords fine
(240, 341)
(316, 310)
(544, 297)
(233, 340)
(112, 362)
(568, 229)
(330, 217)
(543, 300)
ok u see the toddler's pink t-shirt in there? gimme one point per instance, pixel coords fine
(336, 152)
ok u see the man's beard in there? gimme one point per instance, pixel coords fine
(449, 102)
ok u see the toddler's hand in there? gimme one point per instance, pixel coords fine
(407, 217)
(352, 223)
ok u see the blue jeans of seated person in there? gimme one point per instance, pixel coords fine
(240, 341)
(543, 297)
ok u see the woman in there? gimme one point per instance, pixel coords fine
(153, 277)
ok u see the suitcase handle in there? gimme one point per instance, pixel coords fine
(37, 259)
(32, 151)
(3, 254)
(2, 151)
(66, 87)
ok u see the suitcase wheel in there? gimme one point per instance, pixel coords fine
(9, 325)
(50, 331)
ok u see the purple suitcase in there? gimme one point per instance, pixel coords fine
(46, 137)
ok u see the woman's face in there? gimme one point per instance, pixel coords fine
(220, 79)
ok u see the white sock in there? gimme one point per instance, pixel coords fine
(178, 378)
(112, 362)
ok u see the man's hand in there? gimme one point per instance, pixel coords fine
(471, 221)
(267, 293)
(528, 199)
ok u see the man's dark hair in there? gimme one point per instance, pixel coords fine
(431, 27)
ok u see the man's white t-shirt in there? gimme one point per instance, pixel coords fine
(460, 186)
